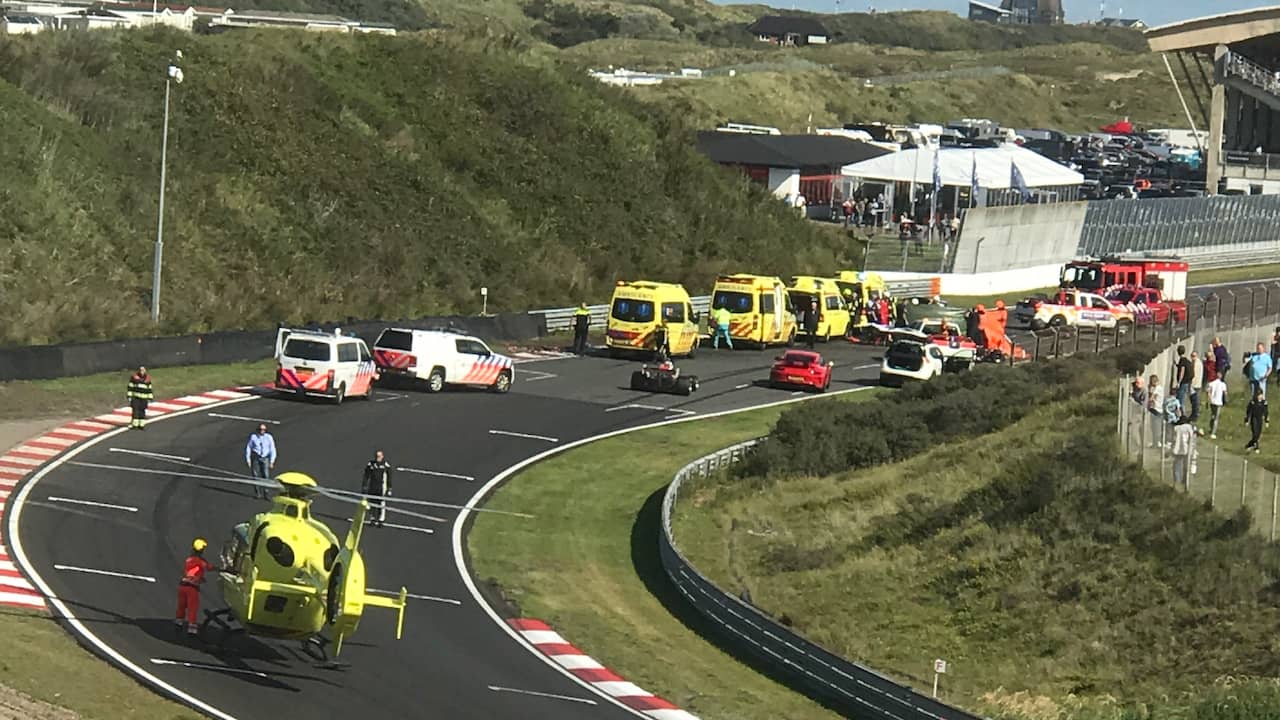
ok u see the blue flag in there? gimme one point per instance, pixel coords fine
(1018, 182)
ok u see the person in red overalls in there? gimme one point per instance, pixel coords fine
(189, 587)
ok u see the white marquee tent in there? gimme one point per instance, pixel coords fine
(955, 166)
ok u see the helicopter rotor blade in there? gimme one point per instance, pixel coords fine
(349, 496)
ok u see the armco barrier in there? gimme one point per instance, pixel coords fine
(850, 688)
(54, 361)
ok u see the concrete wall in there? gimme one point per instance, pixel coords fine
(990, 283)
(997, 239)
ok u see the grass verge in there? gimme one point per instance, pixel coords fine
(40, 659)
(1235, 274)
(1056, 580)
(588, 565)
(91, 394)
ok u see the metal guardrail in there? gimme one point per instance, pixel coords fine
(852, 689)
(561, 319)
(1218, 259)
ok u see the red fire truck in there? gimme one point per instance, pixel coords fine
(1099, 276)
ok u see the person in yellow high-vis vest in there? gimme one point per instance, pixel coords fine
(140, 395)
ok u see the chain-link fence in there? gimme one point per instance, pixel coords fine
(1227, 480)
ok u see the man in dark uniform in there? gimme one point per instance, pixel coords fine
(581, 321)
(811, 323)
(377, 484)
(139, 395)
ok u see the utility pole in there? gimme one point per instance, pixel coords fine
(174, 73)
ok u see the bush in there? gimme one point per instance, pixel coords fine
(834, 437)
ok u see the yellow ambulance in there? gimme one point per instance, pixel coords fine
(863, 287)
(760, 309)
(833, 313)
(641, 309)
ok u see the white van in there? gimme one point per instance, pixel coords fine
(310, 362)
(437, 357)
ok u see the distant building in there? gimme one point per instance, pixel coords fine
(1131, 23)
(789, 30)
(986, 12)
(1018, 12)
(20, 24)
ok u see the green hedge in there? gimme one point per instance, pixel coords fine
(833, 437)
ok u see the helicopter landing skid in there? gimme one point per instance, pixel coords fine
(316, 648)
(223, 619)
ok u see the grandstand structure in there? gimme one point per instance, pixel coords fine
(1236, 56)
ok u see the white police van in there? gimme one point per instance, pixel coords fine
(333, 365)
(440, 357)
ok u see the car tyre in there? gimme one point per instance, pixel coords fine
(503, 384)
(693, 349)
(684, 386)
(368, 396)
(435, 381)
(1057, 321)
(637, 380)
(340, 395)
(791, 338)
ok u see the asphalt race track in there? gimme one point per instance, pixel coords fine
(115, 562)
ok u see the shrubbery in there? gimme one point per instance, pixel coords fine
(833, 437)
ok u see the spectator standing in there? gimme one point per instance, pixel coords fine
(811, 323)
(1138, 392)
(1197, 372)
(1210, 368)
(1155, 408)
(846, 208)
(1182, 377)
(1217, 392)
(722, 317)
(1258, 369)
(1184, 450)
(140, 395)
(1275, 354)
(1256, 417)
(1221, 357)
(377, 485)
(260, 456)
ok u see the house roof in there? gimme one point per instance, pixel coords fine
(289, 16)
(783, 24)
(21, 19)
(785, 151)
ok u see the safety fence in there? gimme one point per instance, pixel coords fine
(1232, 309)
(1246, 225)
(1226, 479)
(73, 359)
(852, 689)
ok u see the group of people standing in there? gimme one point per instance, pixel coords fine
(1174, 416)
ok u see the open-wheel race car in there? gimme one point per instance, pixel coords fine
(663, 378)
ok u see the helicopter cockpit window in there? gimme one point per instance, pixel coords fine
(236, 546)
(280, 551)
(291, 511)
(257, 535)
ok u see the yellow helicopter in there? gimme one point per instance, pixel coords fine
(284, 575)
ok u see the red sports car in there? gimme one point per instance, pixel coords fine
(801, 367)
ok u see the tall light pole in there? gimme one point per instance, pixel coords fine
(174, 73)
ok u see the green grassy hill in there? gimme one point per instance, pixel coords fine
(317, 177)
(1058, 580)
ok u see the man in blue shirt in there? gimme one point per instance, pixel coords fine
(1259, 369)
(260, 455)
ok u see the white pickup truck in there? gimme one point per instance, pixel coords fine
(1075, 308)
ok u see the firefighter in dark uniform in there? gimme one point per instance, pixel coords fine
(139, 396)
(811, 323)
(377, 484)
(581, 321)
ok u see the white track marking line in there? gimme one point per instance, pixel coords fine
(33, 450)
(798, 392)
(22, 460)
(227, 394)
(677, 412)
(91, 571)
(204, 666)
(8, 565)
(242, 417)
(411, 528)
(14, 582)
(166, 407)
(51, 439)
(432, 598)
(109, 506)
(144, 453)
(552, 696)
(540, 375)
(384, 396)
(634, 406)
(743, 385)
(524, 435)
(416, 471)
